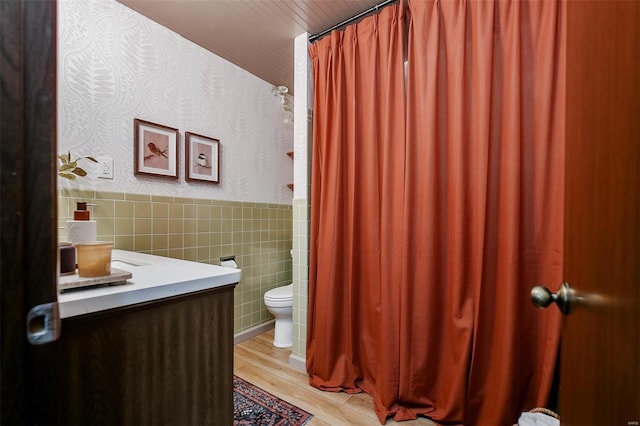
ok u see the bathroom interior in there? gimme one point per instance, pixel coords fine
(114, 65)
(130, 67)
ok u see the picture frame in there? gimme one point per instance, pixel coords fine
(202, 158)
(155, 149)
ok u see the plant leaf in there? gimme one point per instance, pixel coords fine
(79, 171)
(64, 158)
(69, 176)
(67, 164)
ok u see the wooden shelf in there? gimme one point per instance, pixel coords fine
(290, 154)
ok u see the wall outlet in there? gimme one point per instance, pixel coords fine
(105, 167)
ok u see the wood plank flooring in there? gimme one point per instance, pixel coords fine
(259, 362)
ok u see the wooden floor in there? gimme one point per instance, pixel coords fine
(259, 362)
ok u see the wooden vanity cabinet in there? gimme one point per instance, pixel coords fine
(166, 362)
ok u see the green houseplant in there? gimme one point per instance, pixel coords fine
(68, 168)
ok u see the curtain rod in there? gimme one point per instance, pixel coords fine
(350, 20)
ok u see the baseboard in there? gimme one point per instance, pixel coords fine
(253, 331)
(298, 363)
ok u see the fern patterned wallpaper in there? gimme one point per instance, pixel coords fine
(115, 65)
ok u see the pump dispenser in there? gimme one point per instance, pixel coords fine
(81, 212)
(81, 229)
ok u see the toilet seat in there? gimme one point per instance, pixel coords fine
(279, 296)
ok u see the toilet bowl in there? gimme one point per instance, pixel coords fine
(279, 301)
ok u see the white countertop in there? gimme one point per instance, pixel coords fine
(154, 277)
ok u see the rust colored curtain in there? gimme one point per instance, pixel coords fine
(434, 211)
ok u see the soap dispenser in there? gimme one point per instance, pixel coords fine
(81, 212)
(81, 229)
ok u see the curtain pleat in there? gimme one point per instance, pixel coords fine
(358, 76)
(434, 211)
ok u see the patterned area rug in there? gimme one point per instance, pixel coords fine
(254, 406)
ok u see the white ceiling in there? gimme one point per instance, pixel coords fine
(256, 35)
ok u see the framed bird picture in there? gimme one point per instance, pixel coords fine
(202, 158)
(155, 149)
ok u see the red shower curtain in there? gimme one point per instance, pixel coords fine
(434, 212)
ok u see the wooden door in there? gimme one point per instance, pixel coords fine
(600, 369)
(28, 223)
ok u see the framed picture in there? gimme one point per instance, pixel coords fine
(155, 149)
(202, 158)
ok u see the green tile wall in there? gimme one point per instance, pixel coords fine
(300, 276)
(258, 234)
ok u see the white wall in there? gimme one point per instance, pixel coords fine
(302, 179)
(115, 65)
(303, 104)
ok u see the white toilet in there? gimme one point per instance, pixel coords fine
(279, 301)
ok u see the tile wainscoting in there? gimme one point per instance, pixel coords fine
(201, 230)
